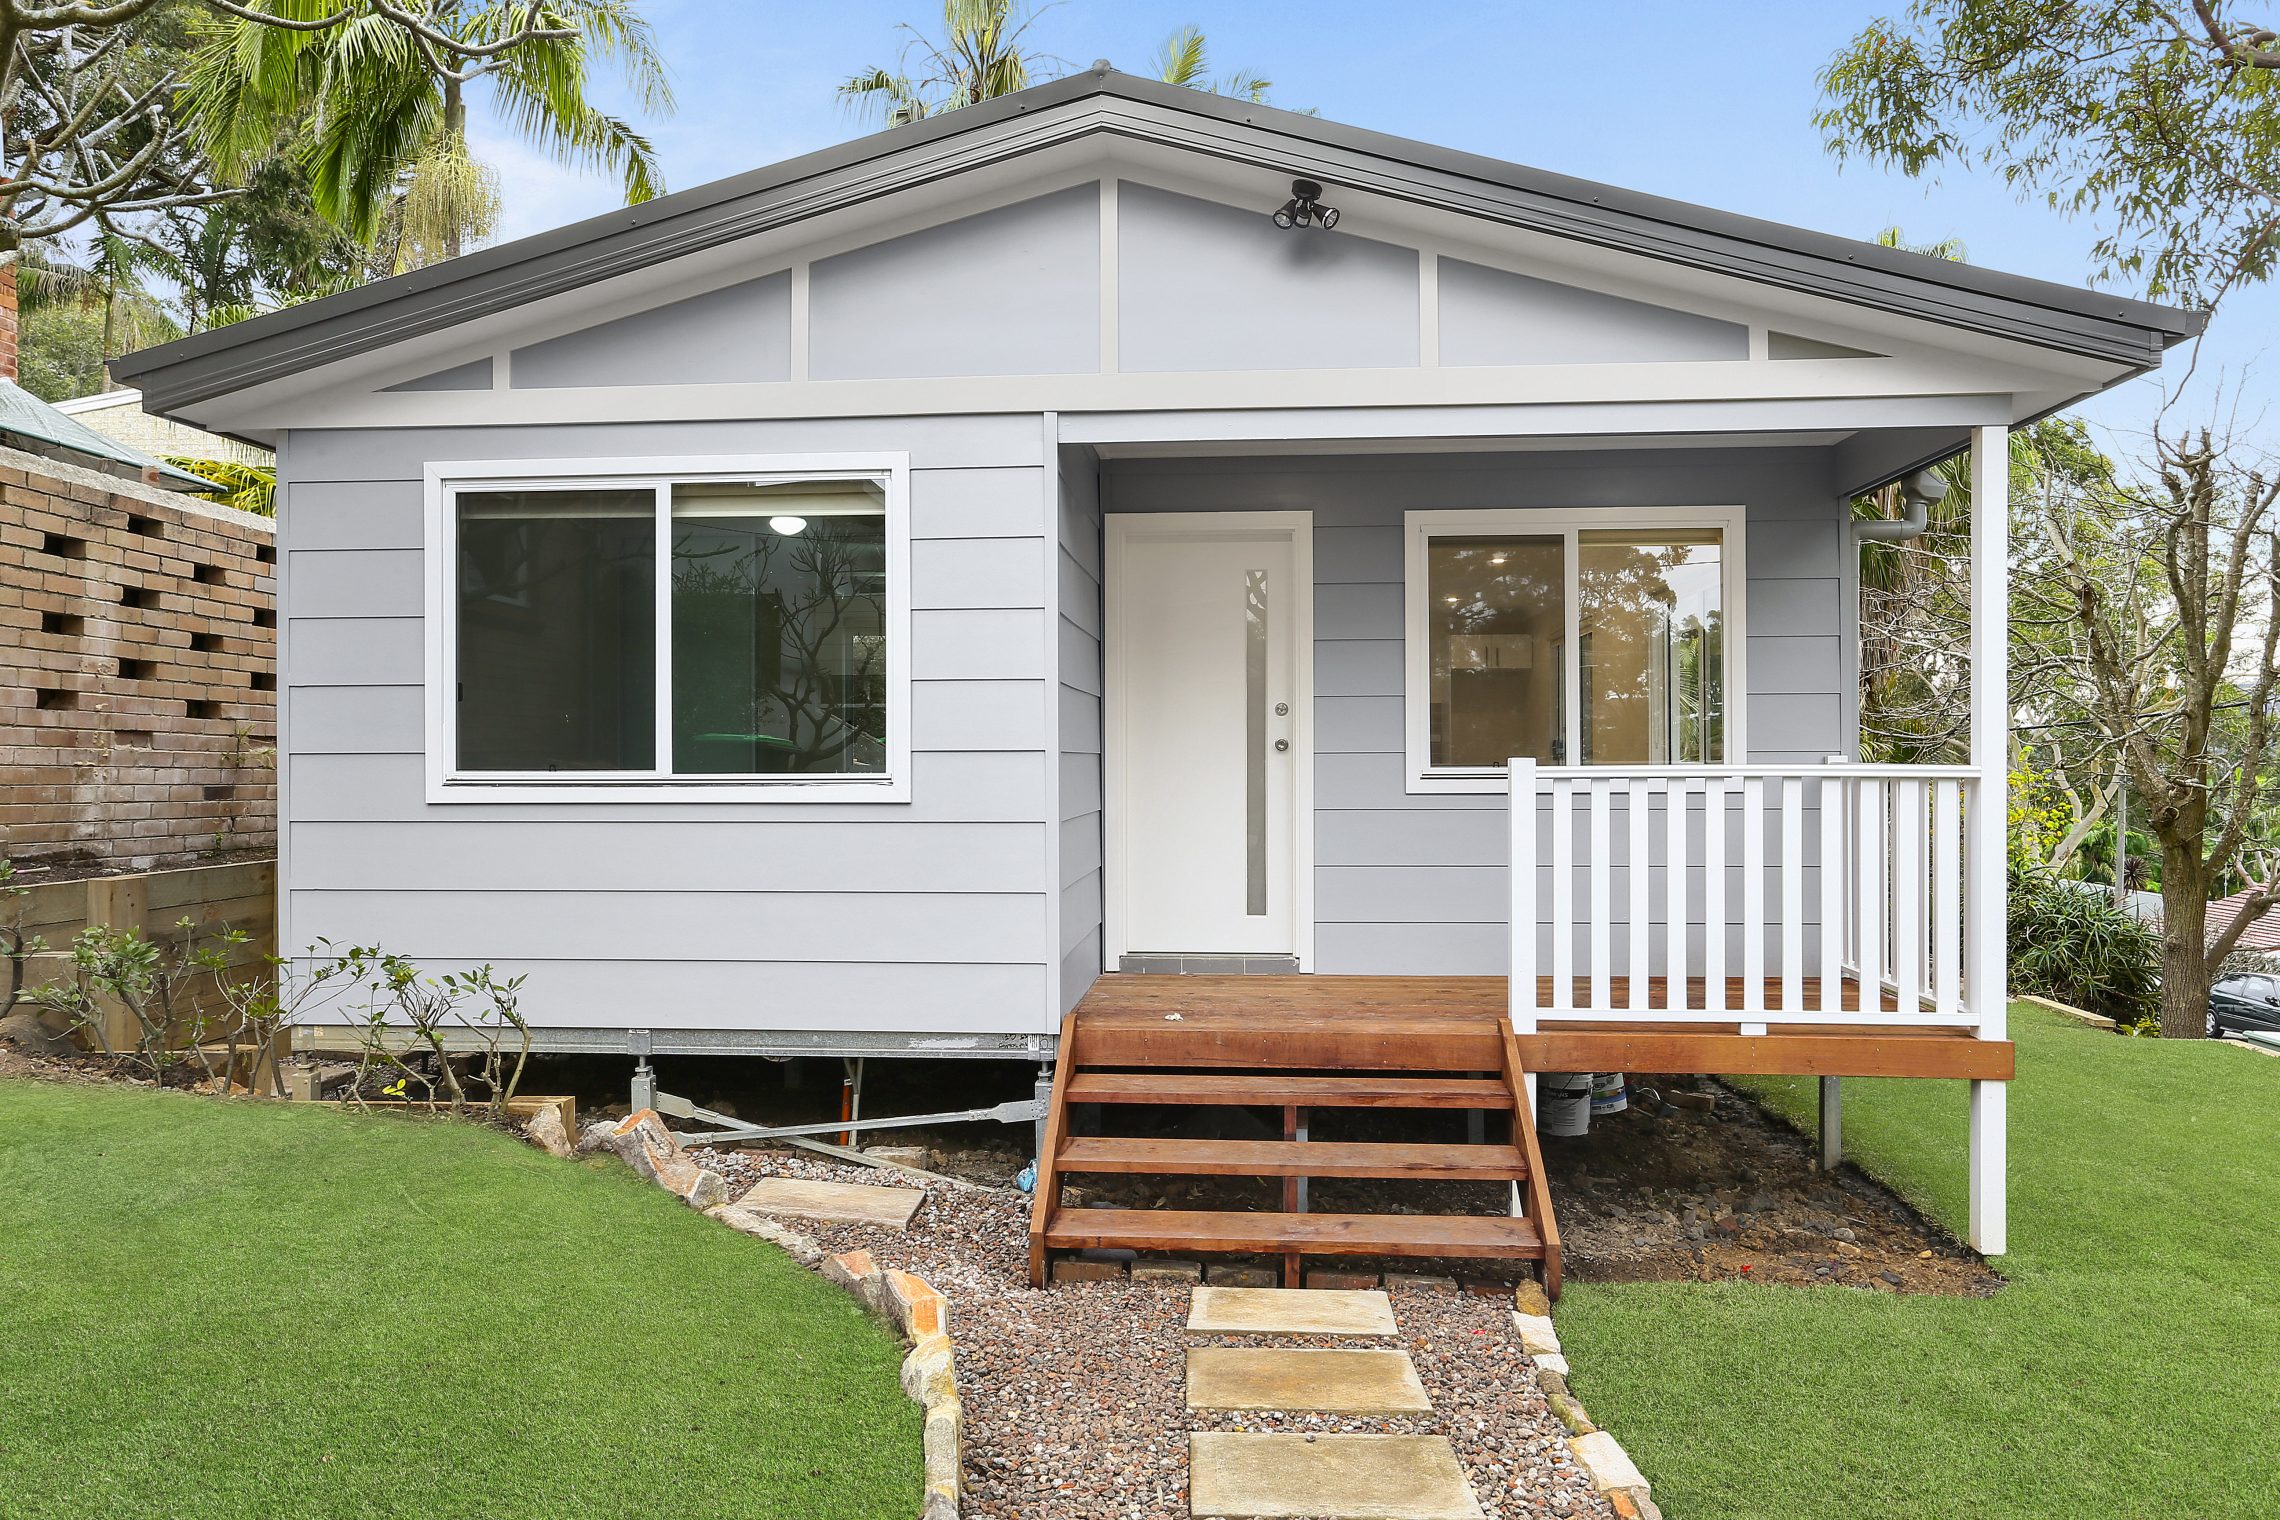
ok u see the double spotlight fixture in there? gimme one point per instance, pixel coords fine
(1305, 208)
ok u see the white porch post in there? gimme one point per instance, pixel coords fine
(1521, 991)
(1985, 969)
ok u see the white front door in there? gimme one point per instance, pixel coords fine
(1209, 740)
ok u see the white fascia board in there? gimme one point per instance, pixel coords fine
(1864, 382)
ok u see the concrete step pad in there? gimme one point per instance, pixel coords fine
(834, 1202)
(1283, 1477)
(1291, 1311)
(1295, 1378)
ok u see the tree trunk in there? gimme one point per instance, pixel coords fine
(454, 133)
(2185, 973)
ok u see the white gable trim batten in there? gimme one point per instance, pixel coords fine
(447, 783)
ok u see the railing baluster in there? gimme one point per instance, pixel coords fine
(1600, 893)
(1833, 894)
(1639, 800)
(1908, 897)
(1563, 894)
(1947, 898)
(1861, 884)
(1674, 896)
(1714, 897)
(1869, 861)
(1521, 993)
(1792, 893)
(1753, 901)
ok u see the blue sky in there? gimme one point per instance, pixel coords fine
(1707, 103)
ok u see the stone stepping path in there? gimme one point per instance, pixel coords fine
(1291, 1311)
(834, 1202)
(1329, 1382)
(1240, 1475)
(1292, 1477)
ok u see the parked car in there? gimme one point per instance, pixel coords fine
(2244, 1001)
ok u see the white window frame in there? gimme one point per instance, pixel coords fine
(444, 479)
(1567, 523)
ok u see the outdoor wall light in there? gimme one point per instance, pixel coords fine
(1305, 208)
(789, 527)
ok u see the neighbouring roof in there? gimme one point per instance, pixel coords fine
(2261, 934)
(25, 417)
(119, 415)
(284, 343)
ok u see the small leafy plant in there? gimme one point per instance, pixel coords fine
(147, 980)
(2075, 944)
(415, 1030)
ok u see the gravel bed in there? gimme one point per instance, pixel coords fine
(1075, 1398)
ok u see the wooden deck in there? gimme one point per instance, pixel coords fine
(1296, 1043)
(1240, 1016)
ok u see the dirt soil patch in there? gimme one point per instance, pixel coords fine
(1734, 1194)
(1074, 1397)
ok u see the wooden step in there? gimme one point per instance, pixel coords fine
(1304, 1234)
(1274, 1091)
(1292, 1158)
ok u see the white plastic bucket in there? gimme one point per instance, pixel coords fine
(1608, 1095)
(1563, 1102)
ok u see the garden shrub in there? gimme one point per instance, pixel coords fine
(2073, 943)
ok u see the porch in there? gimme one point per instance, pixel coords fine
(1298, 1043)
(1238, 1021)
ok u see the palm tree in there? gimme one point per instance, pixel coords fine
(1184, 58)
(111, 281)
(247, 487)
(387, 150)
(980, 56)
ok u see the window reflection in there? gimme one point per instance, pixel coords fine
(1653, 634)
(556, 633)
(779, 598)
(1496, 625)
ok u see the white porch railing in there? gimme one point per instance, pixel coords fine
(1751, 895)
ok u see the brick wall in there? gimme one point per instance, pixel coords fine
(138, 687)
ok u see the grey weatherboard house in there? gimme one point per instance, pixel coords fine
(851, 607)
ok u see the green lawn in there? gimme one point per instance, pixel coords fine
(2131, 1368)
(242, 1309)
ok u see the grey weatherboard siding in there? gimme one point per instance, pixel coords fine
(921, 917)
(1418, 884)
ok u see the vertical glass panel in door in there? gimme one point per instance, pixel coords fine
(1652, 610)
(1255, 742)
(556, 630)
(1496, 615)
(780, 628)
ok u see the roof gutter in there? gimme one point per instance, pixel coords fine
(281, 344)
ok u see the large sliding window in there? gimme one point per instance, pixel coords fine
(606, 633)
(1579, 638)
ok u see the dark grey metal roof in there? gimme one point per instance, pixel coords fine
(283, 343)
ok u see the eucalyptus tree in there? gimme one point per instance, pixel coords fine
(2159, 118)
(2152, 606)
